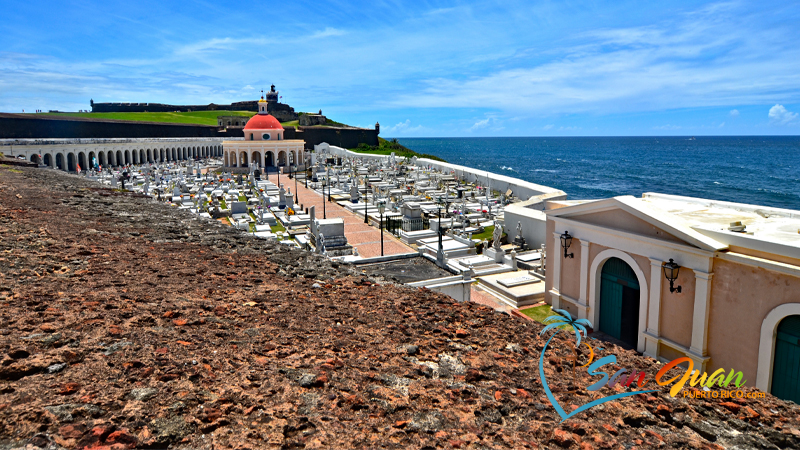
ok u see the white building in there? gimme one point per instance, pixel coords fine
(264, 144)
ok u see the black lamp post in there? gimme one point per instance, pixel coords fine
(278, 167)
(324, 182)
(440, 253)
(671, 270)
(365, 200)
(566, 241)
(381, 208)
(296, 195)
(329, 183)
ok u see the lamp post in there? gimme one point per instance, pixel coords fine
(671, 270)
(324, 182)
(365, 199)
(329, 182)
(278, 167)
(440, 252)
(566, 241)
(296, 195)
(381, 208)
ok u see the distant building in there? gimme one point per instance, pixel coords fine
(739, 300)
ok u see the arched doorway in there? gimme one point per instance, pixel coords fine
(71, 162)
(256, 158)
(35, 159)
(282, 158)
(619, 302)
(243, 159)
(82, 161)
(786, 362)
(118, 161)
(269, 160)
(59, 161)
(48, 160)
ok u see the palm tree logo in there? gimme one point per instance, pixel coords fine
(578, 326)
(563, 318)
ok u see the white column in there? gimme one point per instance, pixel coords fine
(556, 257)
(653, 310)
(583, 313)
(702, 299)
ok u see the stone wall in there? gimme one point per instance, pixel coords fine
(29, 126)
(161, 107)
(340, 137)
(309, 120)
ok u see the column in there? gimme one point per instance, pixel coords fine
(583, 313)
(653, 309)
(702, 299)
(556, 256)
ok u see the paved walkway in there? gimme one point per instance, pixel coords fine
(366, 238)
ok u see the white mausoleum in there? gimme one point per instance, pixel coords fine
(263, 143)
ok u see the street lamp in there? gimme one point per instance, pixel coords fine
(324, 182)
(329, 182)
(671, 270)
(365, 199)
(296, 195)
(381, 208)
(566, 241)
(440, 253)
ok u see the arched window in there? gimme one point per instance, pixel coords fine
(251, 136)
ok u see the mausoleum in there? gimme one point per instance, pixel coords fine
(264, 144)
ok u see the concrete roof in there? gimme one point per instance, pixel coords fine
(766, 228)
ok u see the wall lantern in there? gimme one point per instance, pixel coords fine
(566, 241)
(671, 270)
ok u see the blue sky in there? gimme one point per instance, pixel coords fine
(505, 68)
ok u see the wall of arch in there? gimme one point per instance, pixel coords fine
(594, 289)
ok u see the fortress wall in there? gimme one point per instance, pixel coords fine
(520, 188)
(161, 107)
(340, 137)
(29, 126)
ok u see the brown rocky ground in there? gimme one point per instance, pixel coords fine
(125, 323)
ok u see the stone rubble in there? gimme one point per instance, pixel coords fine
(125, 323)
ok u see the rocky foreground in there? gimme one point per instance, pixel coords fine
(127, 324)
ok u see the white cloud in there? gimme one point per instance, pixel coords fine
(480, 124)
(328, 32)
(404, 128)
(668, 127)
(734, 113)
(781, 116)
(548, 127)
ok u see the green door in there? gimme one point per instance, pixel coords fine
(786, 364)
(619, 302)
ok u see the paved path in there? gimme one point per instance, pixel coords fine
(366, 238)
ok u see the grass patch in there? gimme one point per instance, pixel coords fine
(242, 198)
(277, 227)
(194, 117)
(387, 147)
(291, 123)
(539, 313)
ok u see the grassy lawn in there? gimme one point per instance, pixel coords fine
(242, 198)
(387, 147)
(194, 117)
(292, 123)
(540, 313)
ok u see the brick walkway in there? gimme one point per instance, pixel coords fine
(366, 238)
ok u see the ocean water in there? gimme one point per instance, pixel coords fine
(761, 170)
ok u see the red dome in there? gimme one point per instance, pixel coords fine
(263, 122)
